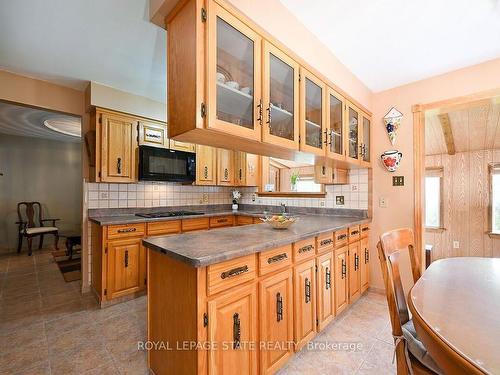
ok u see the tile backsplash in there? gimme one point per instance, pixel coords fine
(162, 194)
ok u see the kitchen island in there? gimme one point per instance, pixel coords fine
(244, 299)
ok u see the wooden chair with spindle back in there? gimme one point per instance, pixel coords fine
(29, 227)
(411, 355)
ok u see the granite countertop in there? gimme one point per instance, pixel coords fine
(203, 248)
(132, 219)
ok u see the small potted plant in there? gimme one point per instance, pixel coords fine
(236, 195)
(294, 178)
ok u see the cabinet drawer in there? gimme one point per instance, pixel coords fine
(159, 228)
(233, 272)
(304, 249)
(221, 221)
(365, 230)
(195, 224)
(275, 259)
(354, 234)
(126, 230)
(325, 242)
(244, 220)
(340, 237)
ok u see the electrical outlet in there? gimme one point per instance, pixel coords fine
(339, 200)
(398, 180)
(205, 197)
(322, 203)
(456, 244)
(382, 202)
(254, 197)
(354, 187)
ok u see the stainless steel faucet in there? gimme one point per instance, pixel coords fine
(283, 207)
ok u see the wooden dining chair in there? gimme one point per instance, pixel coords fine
(32, 225)
(411, 355)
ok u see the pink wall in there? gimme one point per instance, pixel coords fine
(399, 213)
(293, 34)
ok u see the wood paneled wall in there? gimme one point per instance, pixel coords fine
(465, 205)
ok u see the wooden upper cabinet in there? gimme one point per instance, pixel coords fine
(276, 320)
(312, 113)
(305, 302)
(364, 268)
(225, 167)
(335, 136)
(232, 327)
(118, 147)
(125, 267)
(153, 134)
(246, 169)
(353, 133)
(341, 279)
(280, 82)
(182, 146)
(234, 75)
(325, 288)
(206, 165)
(330, 176)
(354, 272)
(365, 138)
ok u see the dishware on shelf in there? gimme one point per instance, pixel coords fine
(280, 221)
(246, 90)
(221, 78)
(233, 84)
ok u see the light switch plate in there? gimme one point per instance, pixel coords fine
(456, 244)
(382, 202)
(398, 180)
(339, 200)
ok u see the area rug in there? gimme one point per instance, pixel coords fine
(70, 268)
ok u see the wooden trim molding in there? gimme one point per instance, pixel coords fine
(418, 175)
(290, 194)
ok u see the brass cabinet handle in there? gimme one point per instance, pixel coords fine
(356, 262)
(236, 331)
(354, 232)
(222, 220)
(365, 229)
(308, 290)
(277, 258)
(305, 249)
(326, 137)
(126, 258)
(205, 173)
(279, 307)
(127, 230)
(226, 173)
(328, 241)
(268, 109)
(341, 237)
(119, 165)
(241, 174)
(328, 278)
(234, 272)
(344, 268)
(367, 256)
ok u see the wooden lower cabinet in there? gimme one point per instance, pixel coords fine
(325, 289)
(304, 302)
(364, 267)
(232, 328)
(126, 267)
(276, 321)
(354, 272)
(341, 279)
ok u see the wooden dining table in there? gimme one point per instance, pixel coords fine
(455, 307)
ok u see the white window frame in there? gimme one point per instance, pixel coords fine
(435, 172)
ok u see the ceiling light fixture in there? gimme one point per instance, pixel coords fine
(68, 126)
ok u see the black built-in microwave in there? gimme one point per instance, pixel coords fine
(161, 164)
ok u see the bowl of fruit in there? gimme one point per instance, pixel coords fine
(279, 221)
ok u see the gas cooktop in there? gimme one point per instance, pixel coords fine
(154, 215)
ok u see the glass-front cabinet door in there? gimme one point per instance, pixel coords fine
(335, 125)
(353, 118)
(234, 79)
(312, 121)
(365, 140)
(281, 98)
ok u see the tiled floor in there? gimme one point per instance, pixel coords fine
(47, 327)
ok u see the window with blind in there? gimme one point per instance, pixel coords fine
(495, 198)
(433, 198)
